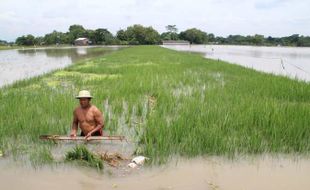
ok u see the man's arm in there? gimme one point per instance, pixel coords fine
(99, 120)
(74, 126)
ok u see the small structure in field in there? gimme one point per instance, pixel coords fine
(81, 42)
(175, 42)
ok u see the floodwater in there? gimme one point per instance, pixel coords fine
(293, 62)
(213, 173)
(25, 63)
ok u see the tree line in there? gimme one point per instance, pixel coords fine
(141, 35)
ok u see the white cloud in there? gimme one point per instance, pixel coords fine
(221, 17)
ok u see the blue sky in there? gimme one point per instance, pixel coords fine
(221, 17)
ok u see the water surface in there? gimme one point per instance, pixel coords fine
(25, 63)
(288, 61)
(213, 173)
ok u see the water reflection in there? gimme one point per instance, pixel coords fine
(288, 61)
(81, 51)
(25, 63)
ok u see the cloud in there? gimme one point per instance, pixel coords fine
(221, 17)
(269, 4)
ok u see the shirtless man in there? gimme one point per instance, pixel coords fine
(88, 117)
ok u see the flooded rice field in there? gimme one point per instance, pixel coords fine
(263, 172)
(288, 61)
(25, 63)
(211, 173)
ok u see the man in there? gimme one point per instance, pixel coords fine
(88, 117)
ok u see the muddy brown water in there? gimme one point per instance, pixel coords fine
(265, 172)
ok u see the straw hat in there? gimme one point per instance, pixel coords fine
(84, 94)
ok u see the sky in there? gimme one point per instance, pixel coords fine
(275, 18)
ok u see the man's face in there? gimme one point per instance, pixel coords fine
(84, 102)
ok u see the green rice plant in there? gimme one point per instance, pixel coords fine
(41, 156)
(169, 102)
(83, 156)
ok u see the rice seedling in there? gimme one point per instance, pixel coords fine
(170, 103)
(83, 156)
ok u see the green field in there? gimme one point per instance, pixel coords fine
(171, 103)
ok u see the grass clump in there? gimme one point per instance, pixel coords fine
(83, 156)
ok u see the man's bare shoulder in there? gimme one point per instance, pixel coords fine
(95, 109)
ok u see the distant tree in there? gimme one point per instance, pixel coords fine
(135, 34)
(3, 42)
(20, 40)
(76, 31)
(91, 35)
(151, 36)
(138, 34)
(257, 39)
(39, 40)
(220, 40)
(56, 38)
(237, 39)
(211, 37)
(270, 40)
(304, 41)
(165, 36)
(194, 36)
(172, 28)
(103, 36)
(171, 33)
(292, 40)
(121, 35)
(174, 36)
(25, 40)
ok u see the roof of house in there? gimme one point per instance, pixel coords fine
(80, 39)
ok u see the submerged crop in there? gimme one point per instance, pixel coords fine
(84, 156)
(170, 103)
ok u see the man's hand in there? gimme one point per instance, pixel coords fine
(88, 135)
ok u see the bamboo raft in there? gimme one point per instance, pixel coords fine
(80, 138)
